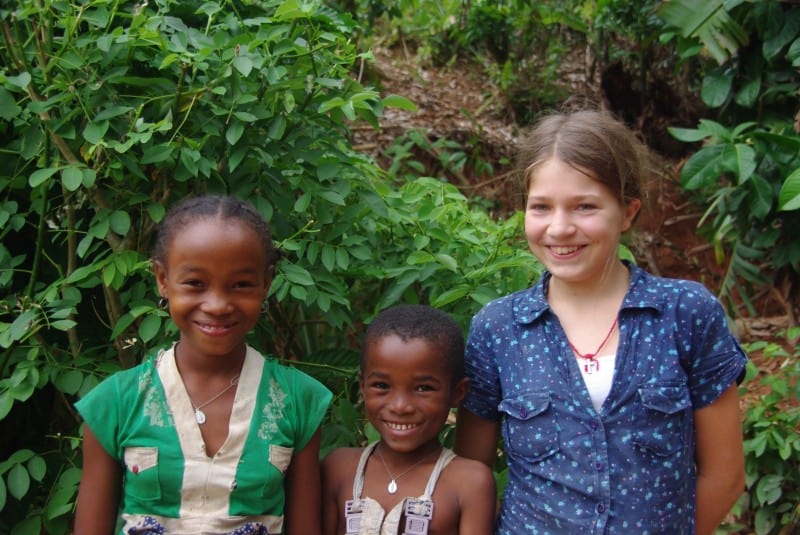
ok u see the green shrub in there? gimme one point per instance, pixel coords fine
(772, 442)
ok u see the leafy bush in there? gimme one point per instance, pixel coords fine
(772, 443)
(110, 111)
(748, 170)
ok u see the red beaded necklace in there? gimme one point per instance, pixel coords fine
(592, 364)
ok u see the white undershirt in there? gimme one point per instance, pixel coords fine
(598, 375)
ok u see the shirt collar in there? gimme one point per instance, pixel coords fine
(528, 305)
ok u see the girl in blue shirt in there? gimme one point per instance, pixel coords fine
(614, 390)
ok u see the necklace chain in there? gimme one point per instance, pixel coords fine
(392, 487)
(593, 356)
(199, 415)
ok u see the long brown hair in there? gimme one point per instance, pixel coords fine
(593, 142)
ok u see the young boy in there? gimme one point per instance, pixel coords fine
(412, 373)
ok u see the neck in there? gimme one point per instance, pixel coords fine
(611, 285)
(400, 460)
(209, 365)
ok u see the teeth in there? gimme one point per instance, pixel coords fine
(400, 427)
(563, 250)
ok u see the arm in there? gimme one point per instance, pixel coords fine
(476, 437)
(478, 502)
(720, 460)
(302, 511)
(99, 491)
(330, 495)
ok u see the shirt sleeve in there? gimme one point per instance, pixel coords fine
(715, 359)
(99, 409)
(311, 401)
(480, 367)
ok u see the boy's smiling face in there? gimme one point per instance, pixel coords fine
(408, 391)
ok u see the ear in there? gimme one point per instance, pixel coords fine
(631, 209)
(459, 392)
(361, 385)
(161, 278)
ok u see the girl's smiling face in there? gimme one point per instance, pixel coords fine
(573, 223)
(215, 279)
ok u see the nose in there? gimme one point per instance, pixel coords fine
(560, 223)
(400, 402)
(216, 302)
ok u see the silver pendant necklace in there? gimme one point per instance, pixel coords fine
(391, 488)
(199, 415)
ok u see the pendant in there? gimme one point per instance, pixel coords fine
(392, 487)
(200, 416)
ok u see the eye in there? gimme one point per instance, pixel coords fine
(192, 283)
(537, 207)
(244, 284)
(378, 385)
(426, 388)
(586, 207)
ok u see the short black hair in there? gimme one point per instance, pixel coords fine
(420, 322)
(201, 207)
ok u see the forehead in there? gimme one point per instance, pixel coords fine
(392, 355)
(229, 241)
(554, 176)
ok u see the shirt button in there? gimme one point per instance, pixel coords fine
(599, 467)
(601, 508)
(593, 425)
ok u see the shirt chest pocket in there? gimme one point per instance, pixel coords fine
(663, 420)
(529, 427)
(141, 477)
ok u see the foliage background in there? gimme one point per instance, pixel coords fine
(110, 111)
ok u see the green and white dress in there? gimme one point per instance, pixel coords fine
(144, 418)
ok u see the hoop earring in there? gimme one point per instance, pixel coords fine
(163, 303)
(265, 306)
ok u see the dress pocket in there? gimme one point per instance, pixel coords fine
(141, 473)
(280, 457)
(662, 425)
(530, 429)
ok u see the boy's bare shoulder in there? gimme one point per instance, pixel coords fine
(342, 457)
(467, 473)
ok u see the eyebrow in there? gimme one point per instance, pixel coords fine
(384, 375)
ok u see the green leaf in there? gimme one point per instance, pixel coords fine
(397, 101)
(40, 176)
(277, 128)
(149, 328)
(687, 135)
(234, 132)
(716, 88)
(8, 107)
(37, 468)
(702, 168)
(243, 64)
(19, 482)
(95, 131)
(69, 382)
(156, 153)
(769, 490)
(747, 96)
(72, 178)
(297, 275)
(22, 80)
(789, 197)
(3, 494)
(120, 222)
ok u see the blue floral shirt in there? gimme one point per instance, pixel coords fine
(630, 467)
